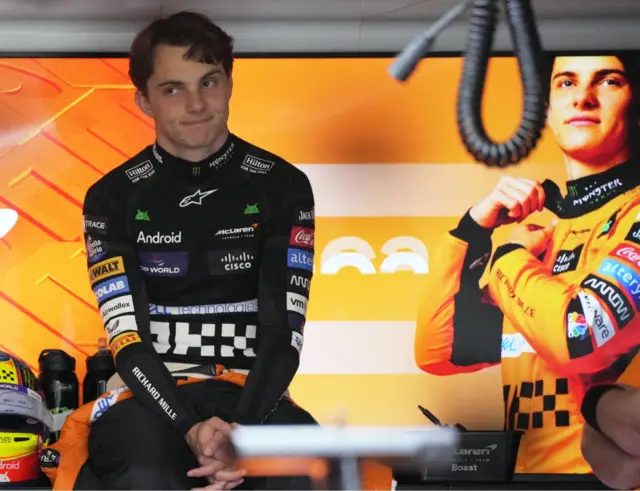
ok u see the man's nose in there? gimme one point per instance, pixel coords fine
(585, 98)
(195, 101)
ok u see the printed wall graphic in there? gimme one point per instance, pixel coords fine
(390, 177)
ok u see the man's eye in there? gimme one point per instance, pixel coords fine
(171, 90)
(611, 81)
(566, 83)
(209, 83)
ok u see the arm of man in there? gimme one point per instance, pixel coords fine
(448, 339)
(118, 284)
(545, 308)
(611, 437)
(285, 272)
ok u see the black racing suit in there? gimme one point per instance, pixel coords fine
(205, 263)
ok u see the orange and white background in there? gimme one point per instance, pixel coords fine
(389, 174)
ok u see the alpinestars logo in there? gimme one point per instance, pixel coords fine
(195, 198)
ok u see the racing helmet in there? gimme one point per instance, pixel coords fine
(25, 421)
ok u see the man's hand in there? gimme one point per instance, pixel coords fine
(618, 414)
(512, 200)
(533, 238)
(210, 443)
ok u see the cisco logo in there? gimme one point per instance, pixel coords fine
(402, 254)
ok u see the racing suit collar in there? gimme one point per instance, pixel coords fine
(195, 171)
(591, 192)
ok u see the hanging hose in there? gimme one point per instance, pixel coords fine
(528, 50)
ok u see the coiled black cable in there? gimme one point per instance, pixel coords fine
(528, 50)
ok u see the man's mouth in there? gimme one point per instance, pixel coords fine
(582, 121)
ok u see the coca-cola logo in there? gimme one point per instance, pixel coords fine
(302, 236)
(628, 253)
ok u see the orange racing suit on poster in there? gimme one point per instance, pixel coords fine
(557, 324)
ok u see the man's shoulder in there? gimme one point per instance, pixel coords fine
(124, 177)
(263, 163)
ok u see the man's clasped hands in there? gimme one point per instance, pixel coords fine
(211, 444)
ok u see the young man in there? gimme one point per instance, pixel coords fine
(559, 309)
(200, 254)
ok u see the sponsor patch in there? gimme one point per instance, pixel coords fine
(298, 282)
(196, 198)
(95, 225)
(297, 303)
(105, 269)
(577, 331)
(297, 341)
(103, 403)
(567, 260)
(634, 234)
(107, 289)
(124, 340)
(231, 261)
(96, 249)
(609, 227)
(622, 310)
(158, 238)
(49, 458)
(143, 170)
(599, 321)
(119, 325)
(237, 233)
(628, 253)
(164, 263)
(116, 306)
(625, 275)
(304, 215)
(256, 165)
(302, 237)
(300, 259)
(249, 306)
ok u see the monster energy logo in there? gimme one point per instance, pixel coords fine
(195, 171)
(573, 191)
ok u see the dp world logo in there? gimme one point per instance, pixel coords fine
(8, 218)
(402, 254)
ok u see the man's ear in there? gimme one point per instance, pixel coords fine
(143, 103)
(230, 84)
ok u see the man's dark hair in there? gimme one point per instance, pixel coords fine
(206, 41)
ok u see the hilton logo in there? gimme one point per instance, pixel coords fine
(256, 165)
(141, 171)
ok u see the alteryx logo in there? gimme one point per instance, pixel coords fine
(8, 219)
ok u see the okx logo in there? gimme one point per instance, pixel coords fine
(402, 254)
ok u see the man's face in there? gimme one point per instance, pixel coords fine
(589, 106)
(188, 100)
